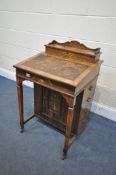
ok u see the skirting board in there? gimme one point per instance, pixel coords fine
(103, 110)
(97, 108)
(12, 76)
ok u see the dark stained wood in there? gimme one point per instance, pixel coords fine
(54, 108)
(20, 101)
(64, 80)
(29, 118)
(37, 98)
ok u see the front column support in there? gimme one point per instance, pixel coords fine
(69, 122)
(20, 101)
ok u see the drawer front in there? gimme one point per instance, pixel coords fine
(88, 94)
(90, 91)
(52, 84)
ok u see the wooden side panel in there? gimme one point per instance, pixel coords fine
(86, 106)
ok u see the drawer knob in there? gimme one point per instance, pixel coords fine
(28, 75)
(41, 80)
(88, 99)
(90, 88)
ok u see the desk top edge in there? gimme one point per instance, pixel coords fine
(73, 83)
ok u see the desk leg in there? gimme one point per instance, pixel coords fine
(20, 102)
(69, 122)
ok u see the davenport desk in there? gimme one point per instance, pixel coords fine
(64, 78)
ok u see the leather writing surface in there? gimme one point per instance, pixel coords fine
(56, 66)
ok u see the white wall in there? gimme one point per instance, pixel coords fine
(26, 25)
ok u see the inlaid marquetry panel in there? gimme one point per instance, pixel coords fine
(56, 66)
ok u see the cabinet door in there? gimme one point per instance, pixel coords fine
(54, 108)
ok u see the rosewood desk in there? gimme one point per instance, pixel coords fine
(64, 78)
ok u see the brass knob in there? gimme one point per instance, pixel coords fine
(41, 80)
(88, 99)
(90, 88)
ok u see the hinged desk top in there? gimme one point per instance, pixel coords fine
(68, 62)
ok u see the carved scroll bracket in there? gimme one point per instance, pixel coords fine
(71, 101)
(19, 81)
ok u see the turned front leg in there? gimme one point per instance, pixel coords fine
(20, 102)
(69, 122)
(68, 132)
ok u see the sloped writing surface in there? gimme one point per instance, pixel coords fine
(56, 66)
